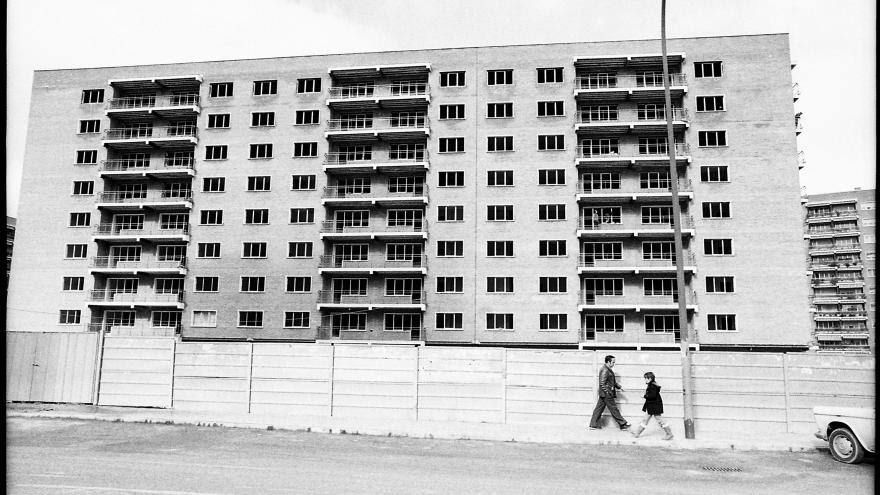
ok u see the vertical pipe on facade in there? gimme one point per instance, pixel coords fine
(687, 392)
(476, 179)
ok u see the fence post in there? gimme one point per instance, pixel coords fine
(250, 376)
(330, 384)
(99, 358)
(785, 388)
(416, 386)
(504, 385)
(173, 364)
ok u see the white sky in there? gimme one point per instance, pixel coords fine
(833, 44)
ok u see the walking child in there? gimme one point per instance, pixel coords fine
(653, 407)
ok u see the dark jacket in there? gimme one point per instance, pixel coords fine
(607, 382)
(653, 401)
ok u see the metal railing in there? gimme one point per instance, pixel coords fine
(341, 158)
(833, 229)
(589, 261)
(627, 81)
(832, 214)
(634, 223)
(334, 227)
(842, 297)
(584, 187)
(632, 151)
(340, 297)
(795, 91)
(394, 90)
(830, 282)
(590, 298)
(145, 196)
(123, 164)
(109, 295)
(110, 229)
(333, 261)
(177, 131)
(379, 190)
(841, 314)
(629, 115)
(378, 123)
(153, 101)
(131, 262)
(329, 332)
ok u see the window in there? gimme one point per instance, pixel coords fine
(207, 284)
(218, 121)
(707, 69)
(303, 183)
(661, 323)
(710, 103)
(551, 109)
(499, 321)
(89, 126)
(449, 321)
(452, 145)
(86, 157)
(296, 319)
(305, 150)
(602, 287)
(253, 284)
(307, 117)
(250, 319)
(500, 143)
(69, 316)
(209, 250)
(499, 178)
(716, 210)
(551, 212)
(499, 213)
(74, 283)
(658, 250)
(80, 219)
(450, 249)
(216, 152)
(258, 151)
(211, 217)
(93, 95)
(552, 285)
(256, 216)
(263, 119)
(660, 287)
(712, 139)
(451, 179)
(550, 75)
(452, 112)
(166, 319)
(253, 250)
(308, 85)
(553, 321)
(714, 173)
(265, 87)
(299, 249)
(302, 215)
(221, 90)
(499, 284)
(499, 249)
(259, 183)
(214, 184)
(499, 110)
(552, 248)
(602, 323)
(450, 213)
(721, 323)
(499, 77)
(551, 177)
(719, 284)
(551, 142)
(657, 215)
(299, 284)
(718, 247)
(447, 285)
(76, 251)
(406, 151)
(451, 79)
(83, 187)
(204, 319)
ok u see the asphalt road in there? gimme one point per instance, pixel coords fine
(53, 456)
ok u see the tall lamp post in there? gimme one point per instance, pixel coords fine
(686, 388)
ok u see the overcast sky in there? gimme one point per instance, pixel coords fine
(833, 44)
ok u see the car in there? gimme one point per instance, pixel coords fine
(848, 430)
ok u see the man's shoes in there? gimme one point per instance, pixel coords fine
(595, 427)
(625, 427)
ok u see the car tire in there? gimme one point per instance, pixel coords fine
(845, 447)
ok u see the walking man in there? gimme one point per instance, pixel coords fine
(608, 388)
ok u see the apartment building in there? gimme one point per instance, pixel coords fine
(840, 232)
(506, 195)
(10, 241)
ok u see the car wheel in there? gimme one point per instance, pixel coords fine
(845, 447)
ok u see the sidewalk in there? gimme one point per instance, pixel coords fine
(453, 430)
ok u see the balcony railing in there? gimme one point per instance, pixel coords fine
(841, 297)
(136, 263)
(795, 91)
(414, 333)
(836, 228)
(632, 151)
(627, 81)
(841, 314)
(135, 165)
(110, 295)
(138, 102)
(340, 297)
(177, 131)
(831, 214)
(145, 197)
(629, 115)
(380, 190)
(334, 227)
(617, 223)
(395, 90)
(176, 229)
(831, 282)
(589, 261)
(364, 158)
(376, 262)
(378, 124)
(634, 189)
(590, 298)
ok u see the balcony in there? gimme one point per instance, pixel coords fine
(795, 91)
(150, 199)
(119, 298)
(367, 96)
(588, 300)
(329, 299)
(846, 230)
(169, 168)
(637, 61)
(341, 230)
(133, 266)
(631, 339)
(167, 107)
(837, 282)
(827, 249)
(374, 128)
(633, 154)
(377, 194)
(142, 138)
(371, 265)
(633, 264)
(364, 162)
(624, 227)
(802, 160)
(415, 334)
(617, 192)
(629, 121)
(139, 232)
(822, 216)
(838, 299)
(635, 87)
(840, 315)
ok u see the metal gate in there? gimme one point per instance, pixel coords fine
(50, 366)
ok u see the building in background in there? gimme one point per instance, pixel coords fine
(509, 195)
(840, 231)
(10, 240)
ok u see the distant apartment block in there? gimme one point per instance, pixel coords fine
(840, 231)
(508, 195)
